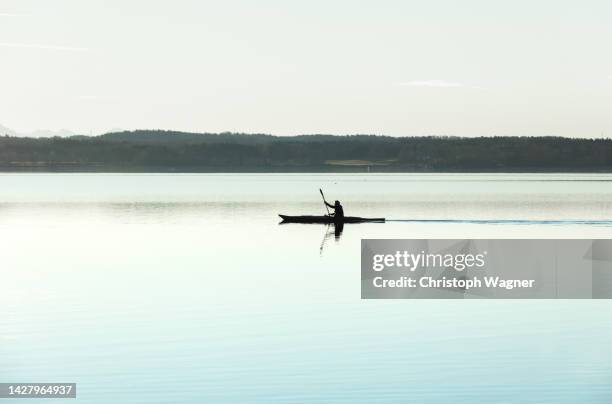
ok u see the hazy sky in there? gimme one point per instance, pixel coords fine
(470, 67)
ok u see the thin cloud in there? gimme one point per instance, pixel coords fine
(43, 47)
(432, 83)
(13, 15)
(92, 98)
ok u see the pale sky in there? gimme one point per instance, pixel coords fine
(427, 67)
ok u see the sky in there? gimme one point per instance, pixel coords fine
(401, 68)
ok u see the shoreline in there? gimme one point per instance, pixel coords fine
(287, 170)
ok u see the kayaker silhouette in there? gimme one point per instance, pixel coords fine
(336, 218)
(338, 210)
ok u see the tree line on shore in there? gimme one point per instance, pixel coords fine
(166, 150)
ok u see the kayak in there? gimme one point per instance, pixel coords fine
(328, 219)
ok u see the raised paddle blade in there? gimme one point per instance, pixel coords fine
(323, 196)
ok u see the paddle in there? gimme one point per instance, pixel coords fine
(323, 196)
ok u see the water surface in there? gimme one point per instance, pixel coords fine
(184, 288)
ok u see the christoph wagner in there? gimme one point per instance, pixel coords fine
(411, 261)
(429, 282)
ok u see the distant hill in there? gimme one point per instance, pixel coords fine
(155, 150)
(37, 133)
(7, 131)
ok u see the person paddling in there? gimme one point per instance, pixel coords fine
(338, 214)
(338, 210)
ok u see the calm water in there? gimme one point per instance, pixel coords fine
(184, 289)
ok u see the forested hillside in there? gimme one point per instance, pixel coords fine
(180, 151)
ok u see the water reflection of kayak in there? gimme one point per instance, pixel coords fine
(328, 219)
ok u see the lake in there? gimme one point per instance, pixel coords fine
(184, 288)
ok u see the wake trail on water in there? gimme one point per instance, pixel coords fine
(508, 221)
